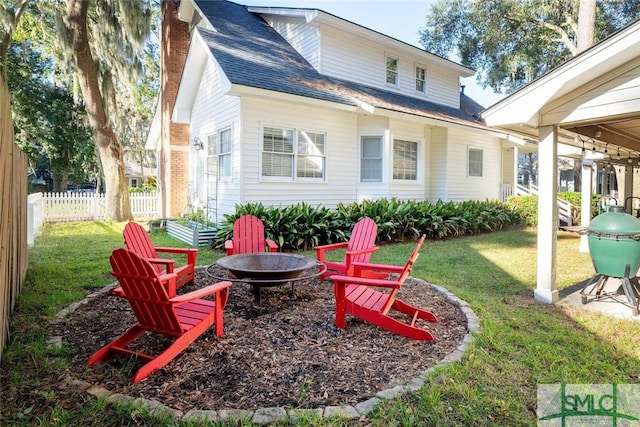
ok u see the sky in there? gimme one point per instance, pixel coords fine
(400, 19)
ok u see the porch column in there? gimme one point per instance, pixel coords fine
(546, 290)
(585, 202)
(516, 155)
(628, 189)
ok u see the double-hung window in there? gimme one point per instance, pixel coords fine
(475, 162)
(219, 149)
(293, 154)
(405, 160)
(224, 153)
(371, 159)
(392, 70)
(311, 155)
(421, 80)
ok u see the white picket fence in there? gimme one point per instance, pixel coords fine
(72, 206)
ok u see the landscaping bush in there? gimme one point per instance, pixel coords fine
(302, 226)
(575, 198)
(527, 206)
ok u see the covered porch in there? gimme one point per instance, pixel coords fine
(592, 103)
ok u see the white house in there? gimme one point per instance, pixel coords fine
(289, 105)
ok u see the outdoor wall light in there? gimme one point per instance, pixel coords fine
(197, 143)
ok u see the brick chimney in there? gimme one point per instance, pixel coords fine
(173, 171)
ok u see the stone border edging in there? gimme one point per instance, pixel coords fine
(266, 416)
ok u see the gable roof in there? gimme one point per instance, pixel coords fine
(252, 54)
(321, 17)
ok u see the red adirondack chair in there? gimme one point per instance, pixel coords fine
(359, 248)
(137, 240)
(357, 296)
(249, 237)
(184, 317)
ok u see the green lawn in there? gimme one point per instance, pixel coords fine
(522, 343)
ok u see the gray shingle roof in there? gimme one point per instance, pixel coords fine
(253, 54)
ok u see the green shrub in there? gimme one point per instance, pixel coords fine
(302, 226)
(527, 208)
(575, 198)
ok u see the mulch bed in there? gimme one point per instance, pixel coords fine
(285, 352)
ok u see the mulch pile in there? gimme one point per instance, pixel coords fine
(285, 352)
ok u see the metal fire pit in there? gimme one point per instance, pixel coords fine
(266, 269)
(614, 246)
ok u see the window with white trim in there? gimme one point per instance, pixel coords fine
(224, 153)
(371, 159)
(219, 150)
(475, 162)
(405, 160)
(392, 70)
(293, 154)
(421, 80)
(310, 158)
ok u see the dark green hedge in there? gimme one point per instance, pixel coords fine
(301, 226)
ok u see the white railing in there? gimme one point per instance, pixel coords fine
(71, 206)
(530, 190)
(507, 191)
(565, 208)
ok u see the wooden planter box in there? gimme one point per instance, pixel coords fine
(191, 235)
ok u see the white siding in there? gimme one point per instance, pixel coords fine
(213, 111)
(344, 55)
(438, 164)
(302, 36)
(463, 187)
(508, 165)
(355, 59)
(340, 128)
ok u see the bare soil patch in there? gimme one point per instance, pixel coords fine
(285, 352)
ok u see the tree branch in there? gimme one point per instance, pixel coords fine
(6, 37)
(563, 36)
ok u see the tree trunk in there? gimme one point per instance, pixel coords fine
(586, 24)
(585, 38)
(577, 175)
(60, 180)
(118, 204)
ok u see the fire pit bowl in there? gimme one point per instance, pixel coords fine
(266, 266)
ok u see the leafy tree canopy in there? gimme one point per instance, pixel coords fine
(512, 42)
(50, 127)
